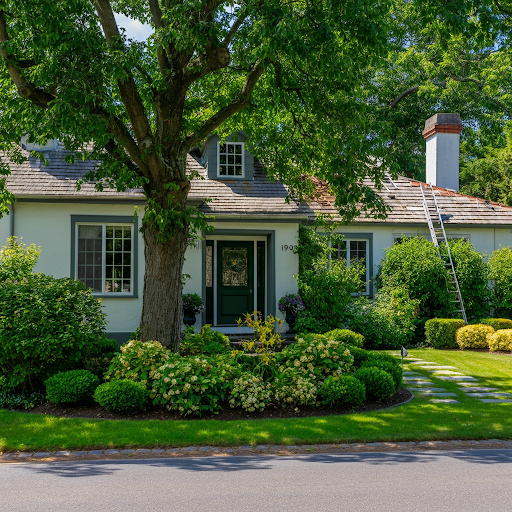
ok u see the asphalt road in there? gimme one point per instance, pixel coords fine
(460, 480)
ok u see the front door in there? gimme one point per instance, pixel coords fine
(235, 281)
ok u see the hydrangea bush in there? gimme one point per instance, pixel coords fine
(316, 357)
(292, 388)
(251, 393)
(193, 385)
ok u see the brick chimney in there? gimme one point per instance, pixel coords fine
(442, 133)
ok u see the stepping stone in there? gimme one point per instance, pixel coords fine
(426, 363)
(490, 394)
(421, 383)
(470, 389)
(446, 372)
(495, 400)
(444, 401)
(442, 394)
(436, 367)
(457, 377)
(429, 390)
(410, 373)
(411, 379)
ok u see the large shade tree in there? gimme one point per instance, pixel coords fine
(293, 75)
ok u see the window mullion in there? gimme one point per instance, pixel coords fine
(103, 256)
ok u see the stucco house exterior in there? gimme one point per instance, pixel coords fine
(247, 263)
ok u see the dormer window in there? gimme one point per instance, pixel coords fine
(231, 159)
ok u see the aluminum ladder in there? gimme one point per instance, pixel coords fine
(438, 234)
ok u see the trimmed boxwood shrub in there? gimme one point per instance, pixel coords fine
(473, 336)
(71, 388)
(500, 340)
(121, 396)
(378, 383)
(497, 323)
(346, 336)
(440, 332)
(391, 367)
(342, 390)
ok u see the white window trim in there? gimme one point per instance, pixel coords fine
(103, 225)
(230, 176)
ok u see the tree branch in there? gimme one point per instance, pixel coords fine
(397, 100)
(233, 30)
(25, 88)
(127, 87)
(163, 55)
(241, 101)
(464, 79)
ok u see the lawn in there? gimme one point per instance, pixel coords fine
(418, 420)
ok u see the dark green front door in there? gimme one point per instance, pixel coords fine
(235, 281)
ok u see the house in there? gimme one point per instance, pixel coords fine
(248, 262)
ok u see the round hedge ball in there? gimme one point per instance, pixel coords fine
(378, 383)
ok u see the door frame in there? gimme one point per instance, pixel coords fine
(243, 235)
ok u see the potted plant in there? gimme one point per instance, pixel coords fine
(192, 305)
(290, 304)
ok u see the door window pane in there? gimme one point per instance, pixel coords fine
(234, 266)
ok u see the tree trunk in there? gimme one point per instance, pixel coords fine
(162, 310)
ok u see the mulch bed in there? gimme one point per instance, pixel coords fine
(160, 413)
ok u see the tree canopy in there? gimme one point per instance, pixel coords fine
(324, 88)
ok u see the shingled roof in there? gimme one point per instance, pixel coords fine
(33, 179)
(403, 197)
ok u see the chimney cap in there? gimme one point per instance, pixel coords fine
(442, 123)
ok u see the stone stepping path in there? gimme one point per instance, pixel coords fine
(447, 373)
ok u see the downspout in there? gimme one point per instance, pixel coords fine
(11, 220)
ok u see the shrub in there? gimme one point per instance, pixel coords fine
(292, 388)
(414, 264)
(17, 260)
(194, 385)
(316, 357)
(121, 396)
(305, 322)
(71, 388)
(98, 356)
(378, 383)
(500, 265)
(392, 367)
(497, 323)
(440, 332)
(206, 342)
(342, 390)
(388, 321)
(473, 277)
(500, 340)
(473, 336)
(346, 336)
(250, 393)
(46, 326)
(138, 360)
(360, 355)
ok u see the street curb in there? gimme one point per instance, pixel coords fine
(280, 450)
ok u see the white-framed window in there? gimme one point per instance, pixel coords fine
(105, 257)
(230, 158)
(355, 250)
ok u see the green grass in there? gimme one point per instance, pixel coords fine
(418, 420)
